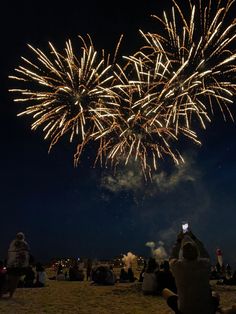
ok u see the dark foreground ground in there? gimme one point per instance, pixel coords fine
(83, 298)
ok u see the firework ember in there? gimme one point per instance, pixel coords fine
(201, 64)
(138, 112)
(141, 132)
(69, 94)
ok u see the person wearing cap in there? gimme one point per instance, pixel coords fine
(190, 265)
(17, 261)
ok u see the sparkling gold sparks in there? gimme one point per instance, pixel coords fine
(201, 62)
(167, 90)
(69, 94)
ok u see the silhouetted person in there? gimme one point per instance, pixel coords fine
(29, 277)
(142, 272)
(165, 278)
(103, 275)
(59, 269)
(89, 269)
(228, 281)
(123, 276)
(234, 278)
(75, 274)
(228, 272)
(3, 278)
(131, 277)
(214, 274)
(17, 261)
(191, 272)
(149, 284)
(40, 276)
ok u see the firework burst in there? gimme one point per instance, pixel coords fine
(201, 64)
(69, 94)
(139, 111)
(140, 131)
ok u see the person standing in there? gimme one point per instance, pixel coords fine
(17, 261)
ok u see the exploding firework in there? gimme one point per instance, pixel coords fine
(176, 80)
(69, 94)
(200, 62)
(138, 111)
(140, 132)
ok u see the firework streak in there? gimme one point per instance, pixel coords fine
(168, 89)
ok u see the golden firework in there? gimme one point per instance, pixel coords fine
(197, 46)
(167, 90)
(68, 94)
(140, 131)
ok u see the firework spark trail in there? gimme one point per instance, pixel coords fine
(139, 111)
(177, 79)
(140, 132)
(201, 65)
(69, 95)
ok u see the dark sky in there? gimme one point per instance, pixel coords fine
(67, 211)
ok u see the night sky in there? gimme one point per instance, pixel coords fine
(87, 212)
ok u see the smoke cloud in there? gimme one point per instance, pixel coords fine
(130, 178)
(129, 259)
(159, 253)
(127, 180)
(175, 194)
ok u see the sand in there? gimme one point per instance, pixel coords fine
(84, 298)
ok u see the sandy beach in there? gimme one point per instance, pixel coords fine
(86, 298)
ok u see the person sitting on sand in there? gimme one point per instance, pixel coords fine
(130, 273)
(228, 281)
(3, 278)
(124, 277)
(75, 274)
(142, 272)
(29, 278)
(89, 267)
(213, 273)
(40, 276)
(228, 272)
(165, 278)
(149, 284)
(103, 275)
(191, 272)
(59, 269)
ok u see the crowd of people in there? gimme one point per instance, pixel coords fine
(183, 280)
(155, 278)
